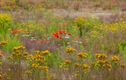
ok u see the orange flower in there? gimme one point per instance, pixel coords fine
(16, 31)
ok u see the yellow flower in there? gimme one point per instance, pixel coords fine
(45, 68)
(70, 50)
(86, 68)
(67, 62)
(3, 43)
(101, 56)
(108, 67)
(35, 65)
(21, 47)
(80, 21)
(82, 55)
(77, 65)
(102, 62)
(38, 58)
(115, 58)
(18, 48)
(17, 55)
(46, 52)
(5, 18)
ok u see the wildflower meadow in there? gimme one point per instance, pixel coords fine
(62, 40)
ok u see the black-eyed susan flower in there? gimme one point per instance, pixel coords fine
(77, 65)
(108, 67)
(82, 55)
(35, 65)
(102, 62)
(70, 50)
(86, 67)
(101, 56)
(45, 68)
(115, 58)
(3, 43)
(46, 52)
(67, 62)
(16, 55)
(25, 55)
(38, 58)
(18, 48)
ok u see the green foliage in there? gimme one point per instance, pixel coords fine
(11, 42)
(54, 60)
(5, 23)
(122, 49)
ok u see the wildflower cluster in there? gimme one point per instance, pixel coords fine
(5, 18)
(80, 21)
(5, 22)
(113, 27)
(61, 35)
(18, 54)
(72, 62)
(38, 60)
(16, 31)
(81, 63)
(105, 63)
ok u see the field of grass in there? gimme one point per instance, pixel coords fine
(39, 42)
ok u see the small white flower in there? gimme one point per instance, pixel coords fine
(67, 37)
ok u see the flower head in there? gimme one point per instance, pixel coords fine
(85, 67)
(46, 52)
(82, 55)
(70, 50)
(67, 62)
(101, 56)
(115, 58)
(61, 34)
(77, 65)
(16, 31)
(35, 65)
(108, 67)
(2, 43)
